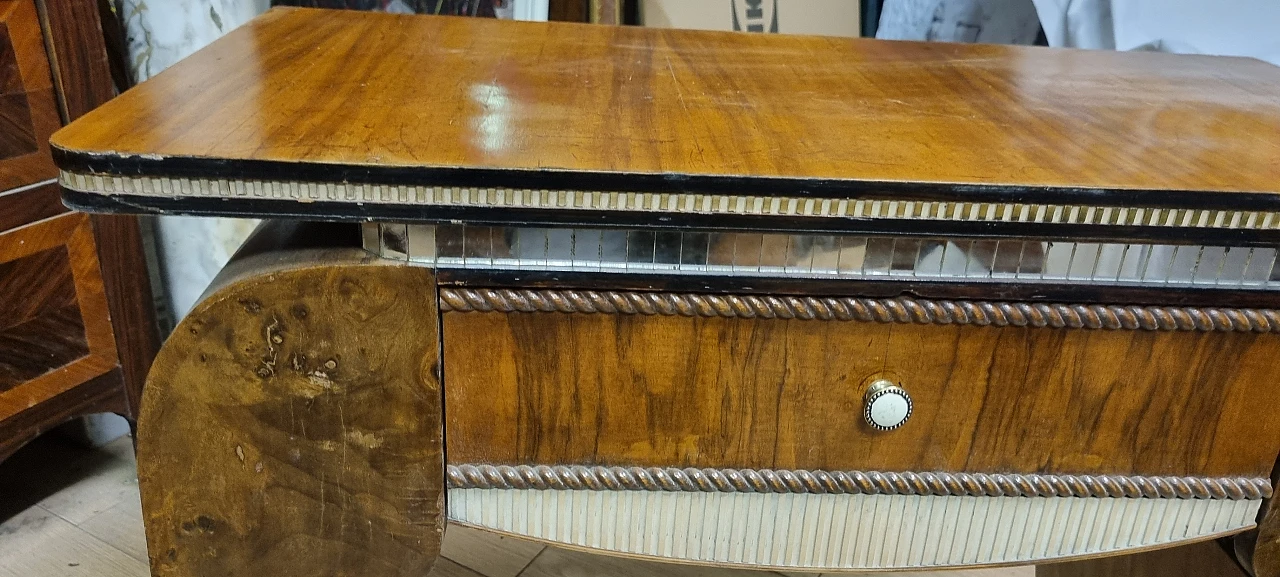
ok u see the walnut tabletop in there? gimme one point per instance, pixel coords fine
(316, 96)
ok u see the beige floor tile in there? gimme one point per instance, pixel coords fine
(121, 527)
(487, 553)
(37, 543)
(447, 568)
(114, 480)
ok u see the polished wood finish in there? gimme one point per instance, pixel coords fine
(76, 326)
(80, 60)
(28, 108)
(82, 70)
(291, 424)
(58, 313)
(101, 394)
(86, 81)
(1259, 549)
(675, 391)
(1204, 559)
(44, 330)
(569, 10)
(128, 286)
(513, 100)
(29, 204)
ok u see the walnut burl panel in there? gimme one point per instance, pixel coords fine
(514, 99)
(673, 391)
(290, 426)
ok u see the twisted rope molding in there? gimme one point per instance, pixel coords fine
(851, 482)
(884, 310)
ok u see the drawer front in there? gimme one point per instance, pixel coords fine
(55, 331)
(28, 107)
(1036, 432)
(710, 390)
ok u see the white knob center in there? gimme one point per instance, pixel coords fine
(888, 406)
(889, 410)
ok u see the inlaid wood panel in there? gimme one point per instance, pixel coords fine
(679, 391)
(83, 77)
(71, 287)
(44, 330)
(18, 136)
(526, 105)
(28, 107)
(29, 204)
(55, 331)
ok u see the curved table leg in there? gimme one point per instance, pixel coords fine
(291, 425)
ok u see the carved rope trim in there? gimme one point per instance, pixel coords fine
(885, 310)
(851, 482)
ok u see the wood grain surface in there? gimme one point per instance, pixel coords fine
(291, 424)
(56, 304)
(78, 331)
(82, 72)
(669, 391)
(29, 204)
(1204, 559)
(84, 80)
(1259, 549)
(44, 330)
(300, 90)
(100, 394)
(28, 107)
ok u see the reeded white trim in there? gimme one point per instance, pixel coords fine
(667, 203)
(823, 532)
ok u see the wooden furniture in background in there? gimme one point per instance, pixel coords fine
(615, 12)
(76, 328)
(643, 298)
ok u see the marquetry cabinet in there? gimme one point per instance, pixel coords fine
(76, 331)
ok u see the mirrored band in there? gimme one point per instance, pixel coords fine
(826, 256)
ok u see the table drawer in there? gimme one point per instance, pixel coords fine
(669, 380)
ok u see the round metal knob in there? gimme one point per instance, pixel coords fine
(887, 406)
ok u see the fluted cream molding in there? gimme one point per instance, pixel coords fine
(873, 208)
(899, 309)
(845, 531)
(562, 477)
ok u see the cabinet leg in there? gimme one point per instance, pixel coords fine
(292, 424)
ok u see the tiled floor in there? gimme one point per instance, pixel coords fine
(67, 512)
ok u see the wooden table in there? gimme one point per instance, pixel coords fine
(719, 298)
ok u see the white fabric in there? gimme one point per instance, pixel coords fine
(987, 21)
(1077, 23)
(1222, 27)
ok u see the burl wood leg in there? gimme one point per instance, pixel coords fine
(291, 425)
(1259, 548)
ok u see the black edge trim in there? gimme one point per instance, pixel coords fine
(502, 216)
(984, 291)
(550, 179)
